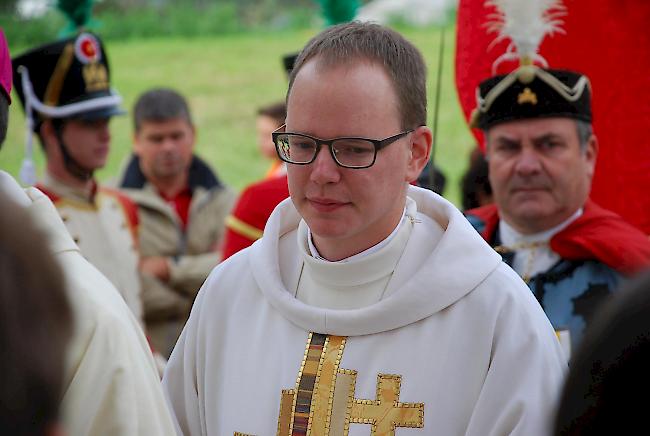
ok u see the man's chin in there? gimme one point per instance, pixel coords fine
(528, 195)
(97, 164)
(166, 173)
(326, 228)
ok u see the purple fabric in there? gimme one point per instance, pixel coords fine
(5, 66)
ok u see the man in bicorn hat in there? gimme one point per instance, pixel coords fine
(182, 206)
(369, 306)
(65, 90)
(110, 383)
(541, 152)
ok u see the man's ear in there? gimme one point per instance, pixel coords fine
(193, 134)
(48, 134)
(591, 155)
(135, 140)
(420, 147)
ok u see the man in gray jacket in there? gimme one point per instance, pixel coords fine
(182, 206)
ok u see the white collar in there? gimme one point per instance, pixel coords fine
(509, 237)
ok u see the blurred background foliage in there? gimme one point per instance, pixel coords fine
(225, 57)
(27, 22)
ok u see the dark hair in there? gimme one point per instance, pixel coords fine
(475, 181)
(160, 104)
(609, 376)
(345, 43)
(277, 111)
(35, 325)
(585, 131)
(4, 117)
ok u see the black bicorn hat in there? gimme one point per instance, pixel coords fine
(69, 78)
(532, 92)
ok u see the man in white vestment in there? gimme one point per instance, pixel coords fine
(369, 306)
(110, 382)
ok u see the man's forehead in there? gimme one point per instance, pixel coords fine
(363, 79)
(165, 123)
(320, 66)
(533, 128)
(86, 121)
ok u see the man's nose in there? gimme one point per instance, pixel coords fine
(104, 131)
(168, 143)
(528, 162)
(324, 168)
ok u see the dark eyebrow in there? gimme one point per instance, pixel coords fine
(507, 141)
(155, 136)
(547, 137)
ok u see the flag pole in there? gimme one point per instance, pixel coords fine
(436, 108)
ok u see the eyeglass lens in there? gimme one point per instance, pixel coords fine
(348, 152)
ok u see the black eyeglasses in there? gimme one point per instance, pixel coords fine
(357, 153)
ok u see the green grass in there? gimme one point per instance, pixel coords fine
(225, 79)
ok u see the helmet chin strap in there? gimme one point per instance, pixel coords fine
(74, 168)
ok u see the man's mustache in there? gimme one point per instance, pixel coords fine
(519, 183)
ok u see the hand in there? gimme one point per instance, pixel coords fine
(157, 266)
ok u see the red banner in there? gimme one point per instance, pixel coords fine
(609, 41)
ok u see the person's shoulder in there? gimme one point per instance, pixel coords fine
(482, 218)
(130, 176)
(202, 175)
(602, 235)
(119, 197)
(49, 193)
(516, 313)
(476, 222)
(504, 288)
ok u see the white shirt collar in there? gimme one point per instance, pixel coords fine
(532, 253)
(510, 237)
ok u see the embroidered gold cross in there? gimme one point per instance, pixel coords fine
(386, 412)
(323, 401)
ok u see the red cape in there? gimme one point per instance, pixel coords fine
(608, 40)
(597, 234)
